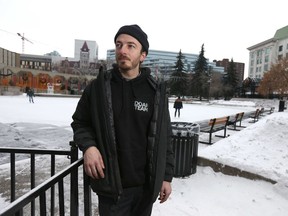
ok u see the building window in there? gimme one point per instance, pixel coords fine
(280, 48)
(266, 67)
(280, 57)
(266, 59)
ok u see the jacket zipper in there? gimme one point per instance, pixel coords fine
(109, 129)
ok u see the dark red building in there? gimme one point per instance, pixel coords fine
(240, 67)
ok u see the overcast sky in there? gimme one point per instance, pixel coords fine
(226, 28)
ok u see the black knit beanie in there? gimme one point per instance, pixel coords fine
(136, 32)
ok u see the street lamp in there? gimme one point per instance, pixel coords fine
(209, 81)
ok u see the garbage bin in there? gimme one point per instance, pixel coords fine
(281, 105)
(185, 140)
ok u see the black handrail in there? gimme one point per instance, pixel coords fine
(39, 191)
(17, 205)
(32, 152)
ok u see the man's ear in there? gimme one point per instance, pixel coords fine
(143, 56)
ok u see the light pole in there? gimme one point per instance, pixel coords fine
(209, 81)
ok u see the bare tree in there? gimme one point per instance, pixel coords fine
(276, 79)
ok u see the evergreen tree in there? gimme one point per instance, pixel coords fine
(201, 77)
(178, 80)
(230, 80)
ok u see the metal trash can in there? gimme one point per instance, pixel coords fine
(281, 105)
(185, 140)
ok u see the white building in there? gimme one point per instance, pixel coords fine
(268, 52)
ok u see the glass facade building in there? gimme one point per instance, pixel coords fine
(162, 63)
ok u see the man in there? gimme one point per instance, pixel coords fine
(122, 124)
(30, 94)
(177, 106)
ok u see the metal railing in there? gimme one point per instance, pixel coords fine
(16, 207)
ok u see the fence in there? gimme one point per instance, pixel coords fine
(17, 206)
(185, 150)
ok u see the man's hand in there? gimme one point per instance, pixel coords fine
(93, 163)
(165, 191)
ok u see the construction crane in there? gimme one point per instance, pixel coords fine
(23, 38)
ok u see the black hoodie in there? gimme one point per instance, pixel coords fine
(133, 102)
(93, 125)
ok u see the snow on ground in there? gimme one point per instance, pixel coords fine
(260, 148)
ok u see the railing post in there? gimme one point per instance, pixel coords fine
(74, 193)
(52, 203)
(13, 178)
(32, 181)
(87, 195)
(74, 151)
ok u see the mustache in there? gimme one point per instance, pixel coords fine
(123, 57)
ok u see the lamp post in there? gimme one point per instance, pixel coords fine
(209, 81)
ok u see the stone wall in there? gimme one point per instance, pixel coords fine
(10, 90)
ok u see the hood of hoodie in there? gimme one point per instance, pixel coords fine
(117, 77)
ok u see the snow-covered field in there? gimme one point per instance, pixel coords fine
(260, 148)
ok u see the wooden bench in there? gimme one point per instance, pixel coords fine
(262, 111)
(214, 125)
(255, 115)
(238, 118)
(271, 110)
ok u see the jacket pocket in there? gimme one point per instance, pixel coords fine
(106, 186)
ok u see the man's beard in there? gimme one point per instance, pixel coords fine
(123, 61)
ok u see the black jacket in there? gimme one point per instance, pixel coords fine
(178, 104)
(93, 125)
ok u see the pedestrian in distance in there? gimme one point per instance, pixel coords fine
(177, 106)
(30, 94)
(122, 125)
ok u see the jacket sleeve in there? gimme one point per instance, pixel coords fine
(82, 126)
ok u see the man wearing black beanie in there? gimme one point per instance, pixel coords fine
(136, 32)
(122, 125)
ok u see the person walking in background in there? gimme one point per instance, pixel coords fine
(122, 125)
(177, 106)
(30, 94)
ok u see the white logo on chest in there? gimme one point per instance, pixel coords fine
(141, 106)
